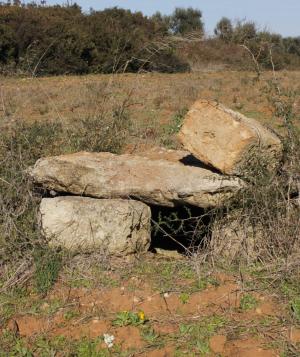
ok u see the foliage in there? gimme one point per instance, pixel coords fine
(47, 266)
(43, 40)
(259, 43)
(88, 348)
(197, 335)
(184, 298)
(126, 318)
(248, 302)
(52, 40)
(295, 306)
(172, 128)
(150, 336)
(184, 21)
(224, 29)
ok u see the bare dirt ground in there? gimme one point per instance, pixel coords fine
(152, 305)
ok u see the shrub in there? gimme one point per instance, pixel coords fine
(43, 40)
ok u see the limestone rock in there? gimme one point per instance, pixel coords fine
(117, 227)
(235, 239)
(157, 182)
(226, 139)
(180, 156)
(160, 153)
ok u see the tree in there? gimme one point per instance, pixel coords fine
(292, 45)
(244, 32)
(163, 21)
(224, 29)
(184, 21)
(7, 44)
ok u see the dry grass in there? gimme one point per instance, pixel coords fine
(155, 98)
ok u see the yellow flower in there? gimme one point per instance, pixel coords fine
(141, 315)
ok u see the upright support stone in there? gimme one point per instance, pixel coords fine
(118, 227)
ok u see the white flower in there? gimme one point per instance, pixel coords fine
(109, 339)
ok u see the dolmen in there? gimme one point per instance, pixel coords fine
(102, 200)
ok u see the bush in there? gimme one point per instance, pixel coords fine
(43, 40)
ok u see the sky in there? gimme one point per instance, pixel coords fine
(280, 16)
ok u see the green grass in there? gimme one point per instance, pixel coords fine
(95, 277)
(295, 306)
(184, 298)
(13, 301)
(172, 128)
(248, 302)
(41, 346)
(195, 337)
(47, 267)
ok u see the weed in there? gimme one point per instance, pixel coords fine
(197, 335)
(295, 306)
(47, 266)
(45, 348)
(20, 350)
(13, 301)
(88, 348)
(184, 298)
(151, 337)
(202, 283)
(126, 318)
(173, 128)
(248, 302)
(290, 288)
(186, 272)
(203, 347)
(71, 314)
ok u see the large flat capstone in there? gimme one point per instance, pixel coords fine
(154, 181)
(118, 227)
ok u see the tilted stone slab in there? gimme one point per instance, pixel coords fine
(157, 182)
(226, 140)
(118, 227)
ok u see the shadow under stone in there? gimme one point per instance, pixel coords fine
(179, 228)
(191, 160)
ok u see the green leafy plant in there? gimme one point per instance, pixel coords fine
(90, 348)
(173, 128)
(295, 306)
(248, 302)
(197, 335)
(126, 318)
(47, 266)
(20, 350)
(71, 314)
(150, 336)
(184, 298)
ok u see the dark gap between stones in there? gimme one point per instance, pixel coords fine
(188, 225)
